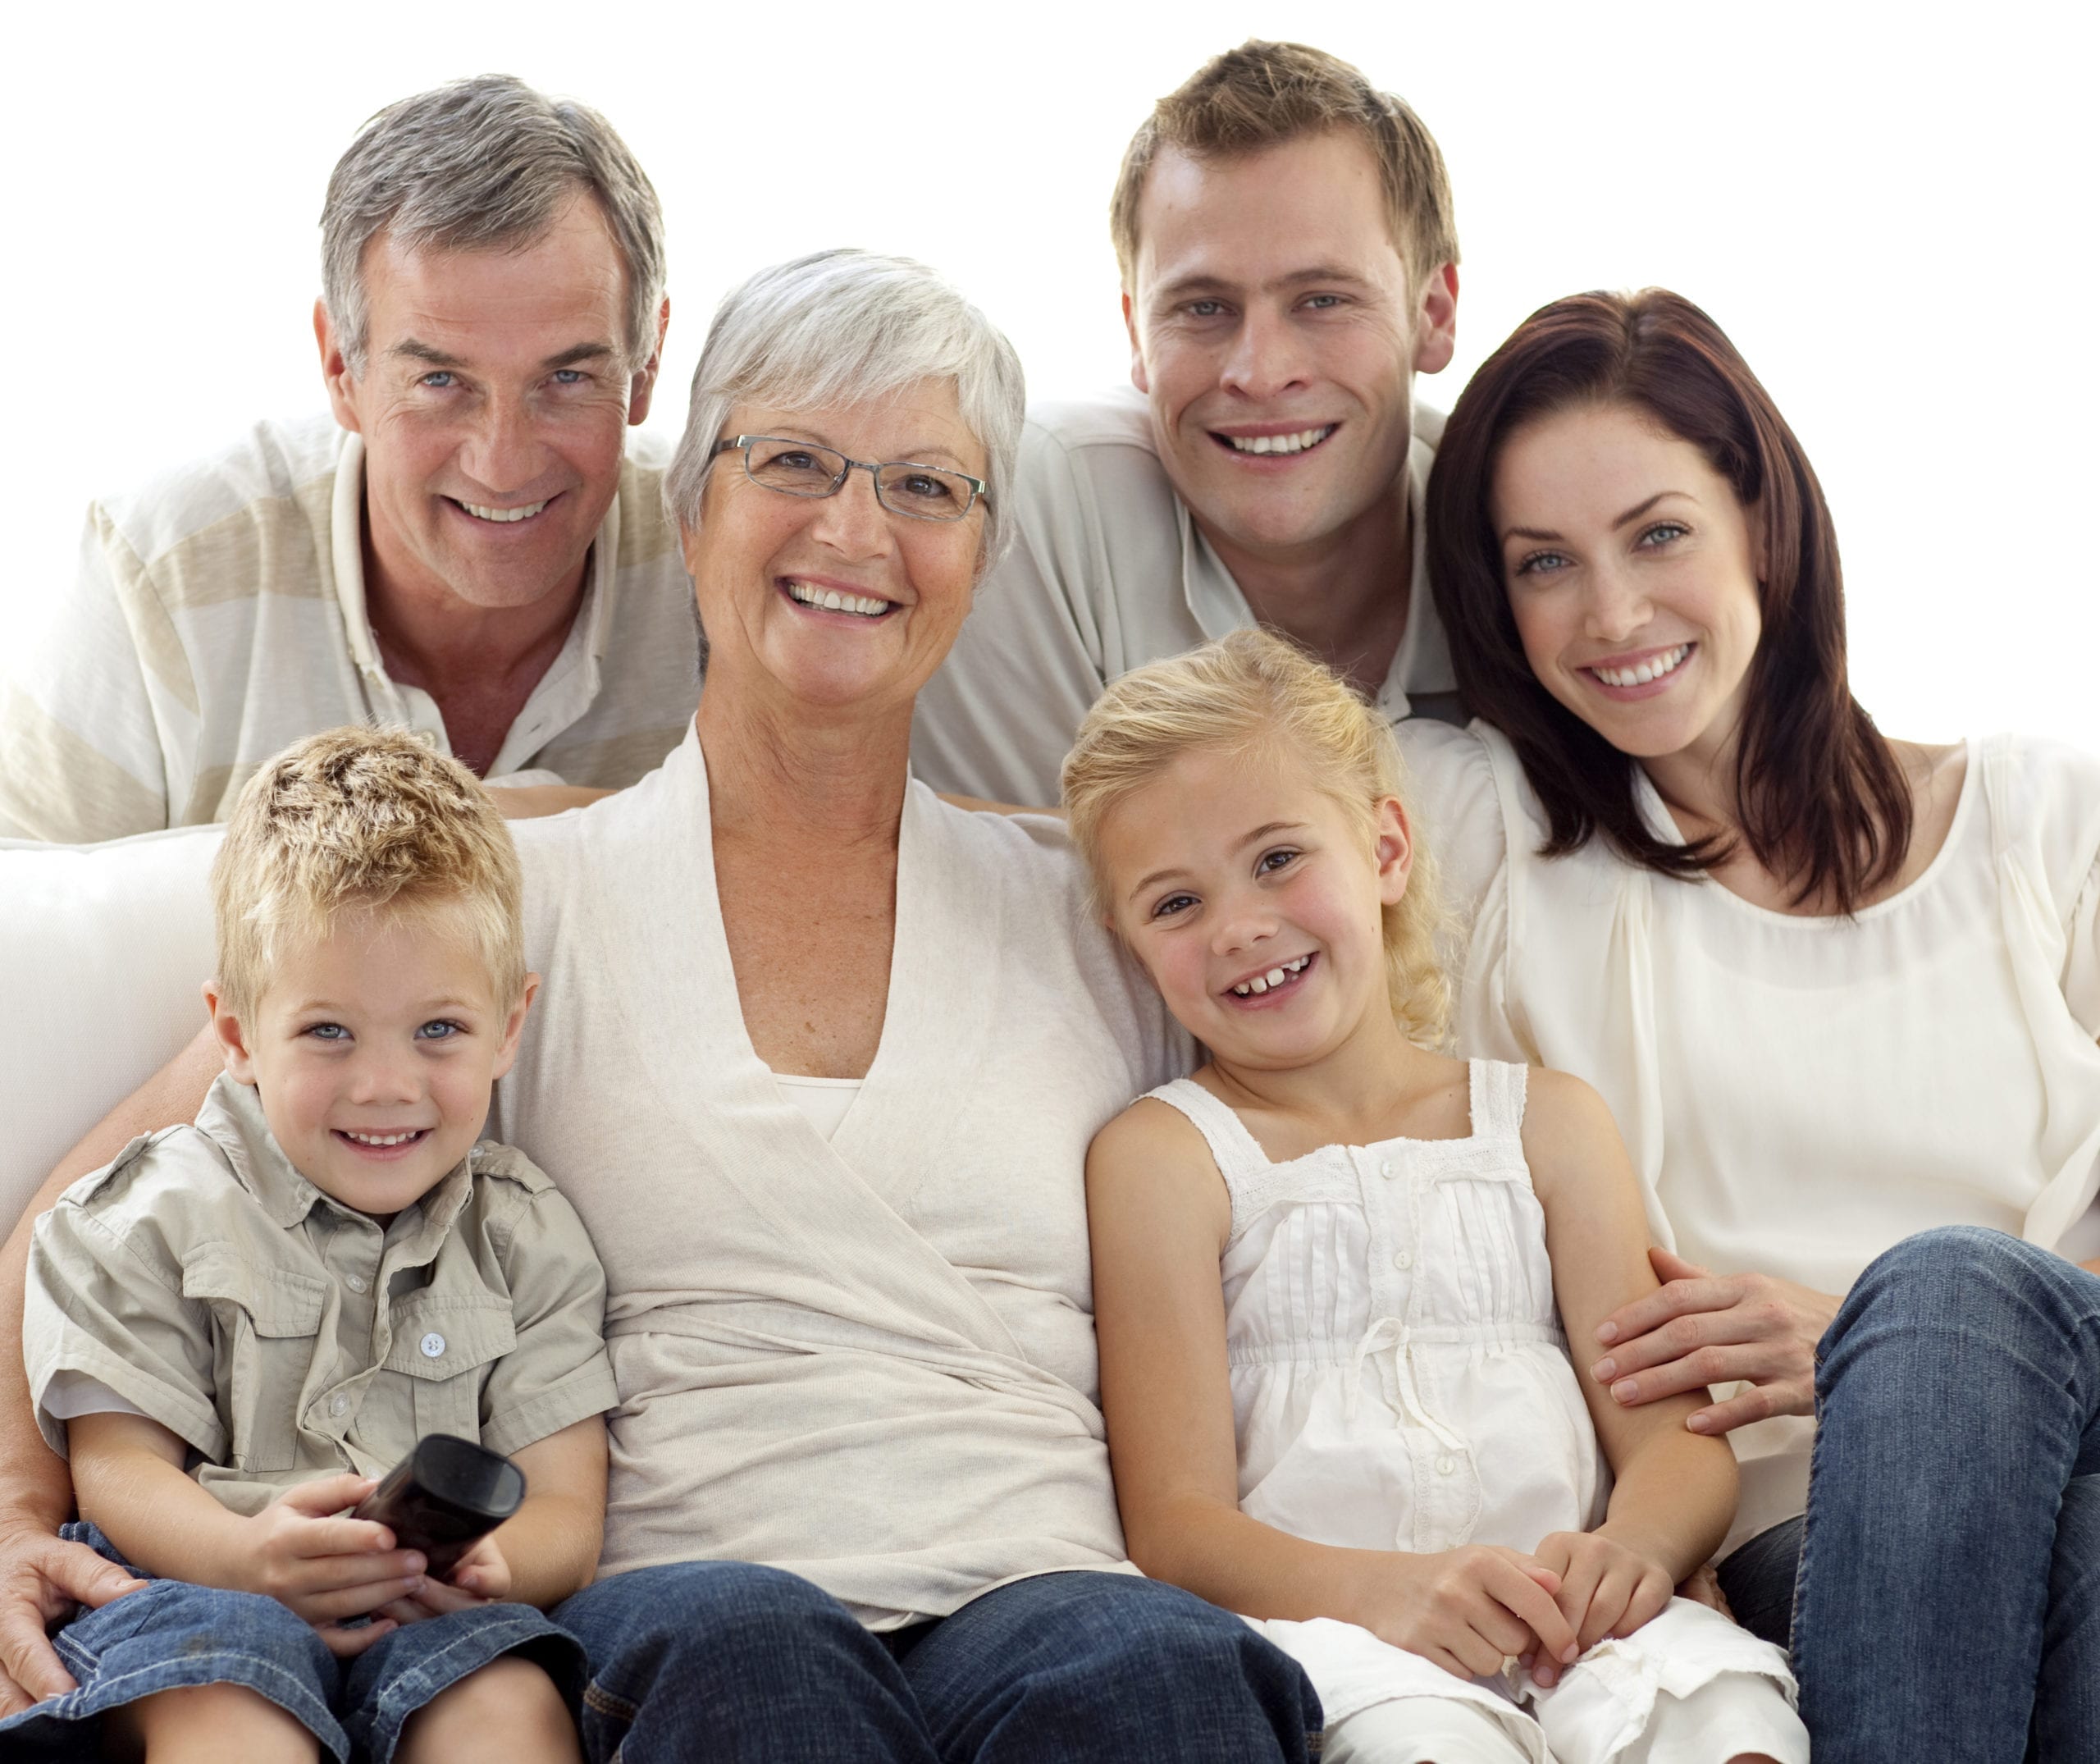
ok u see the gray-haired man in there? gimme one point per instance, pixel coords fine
(459, 547)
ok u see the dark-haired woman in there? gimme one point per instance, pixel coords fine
(1842, 992)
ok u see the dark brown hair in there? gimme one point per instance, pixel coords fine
(1263, 94)
(1821, 799)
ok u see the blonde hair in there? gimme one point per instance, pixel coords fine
(1263, 94)
(361, 820)
(1249, 694)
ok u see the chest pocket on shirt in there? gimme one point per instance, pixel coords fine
(445, 1344)
(266, 1329)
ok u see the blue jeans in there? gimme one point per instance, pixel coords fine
(1948, 1602)
(732, 1664)
(175, 1635)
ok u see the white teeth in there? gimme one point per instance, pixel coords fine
(1297, 443)
(383, 1139)
(1275, 976)
(1654, 669)
(830, 599)
(526, 512)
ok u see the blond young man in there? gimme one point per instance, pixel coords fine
(1289, 263)
(234, 1328)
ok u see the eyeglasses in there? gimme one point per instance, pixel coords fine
(801, 469)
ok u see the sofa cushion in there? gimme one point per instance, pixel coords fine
(103, 953)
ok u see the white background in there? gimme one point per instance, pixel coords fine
(1891, 215)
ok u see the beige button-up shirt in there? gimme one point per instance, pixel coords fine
(1107, 570)
(220, 615)
(203, 1281)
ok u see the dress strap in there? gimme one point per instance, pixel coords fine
(1497, 1090)
(1239, 1156)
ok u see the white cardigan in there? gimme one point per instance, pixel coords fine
(1800, 1094)
(869, 1361)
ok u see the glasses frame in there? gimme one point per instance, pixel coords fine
(979, 491)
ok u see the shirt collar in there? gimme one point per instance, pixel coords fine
(232, 1118)
(1422, 662)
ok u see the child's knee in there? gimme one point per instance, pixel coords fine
(208, 1720)
(509, 1711)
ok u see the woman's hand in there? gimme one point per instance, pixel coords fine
(42, 1578)
(305, 1552)
(1703, 1328)
(1606, 1589)
(1468, 1610)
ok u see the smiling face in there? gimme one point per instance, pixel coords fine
(374, 1049)
(1254, 900)
(1633, 574)
(493, 405)
(1273, 329)
(829, 603)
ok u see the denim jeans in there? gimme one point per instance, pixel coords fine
(1758, 1580)
(173, 1635)
(1948, 1603)
(731, 1663)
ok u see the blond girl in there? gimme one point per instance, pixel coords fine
(1335, 1272)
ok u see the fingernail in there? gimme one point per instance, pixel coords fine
(1602, 1370)
(1571, 1653)
(415, 1582)
(1626, 1390)
(1698, 1423)
(1607, 1333)
(415, 1563)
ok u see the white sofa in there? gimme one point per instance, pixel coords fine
(104, 951)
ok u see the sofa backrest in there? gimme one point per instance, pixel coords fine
(103, 952)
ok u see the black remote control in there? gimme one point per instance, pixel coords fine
(444, 1495)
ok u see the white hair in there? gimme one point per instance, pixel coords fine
(478, 165)
(844, 326)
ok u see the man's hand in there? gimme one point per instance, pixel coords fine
(1606, 1589)
(41, 1580)
(1703, 1328)
(306, 1553)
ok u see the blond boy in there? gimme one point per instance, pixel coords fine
(238, 1326)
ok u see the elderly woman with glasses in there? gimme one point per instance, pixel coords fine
(817, 1062)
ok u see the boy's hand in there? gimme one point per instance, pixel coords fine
(1605, 1589)
(307, 1553)
(1469, 1610)
(481, 1577)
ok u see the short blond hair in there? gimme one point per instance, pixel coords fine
(1249, 694)
(361, 820)
(1263, 94)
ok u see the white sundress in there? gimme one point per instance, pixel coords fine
(1400, 1381)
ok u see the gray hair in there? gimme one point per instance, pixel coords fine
(478, 164)
(841, 327)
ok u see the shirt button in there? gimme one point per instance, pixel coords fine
(432, 1345)
(338, 1404)
(357, 1282)
(1446, 1465)
(1386, 1166)
(1404, 1261)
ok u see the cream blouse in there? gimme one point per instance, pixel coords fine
(1800, 1094)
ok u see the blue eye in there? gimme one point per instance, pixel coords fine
(1204, 309)
(1172, 904)
(1539, 562)
(439, 1029)
(1279, 859)
(439, 381)
(569, 376)
(328, 1032)
(1662, 533)
(1323, 302)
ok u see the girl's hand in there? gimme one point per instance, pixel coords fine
(1606, 1589)
(1468, 1610)
(1703, 1328)
(481, 1577)
(304, 1551)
